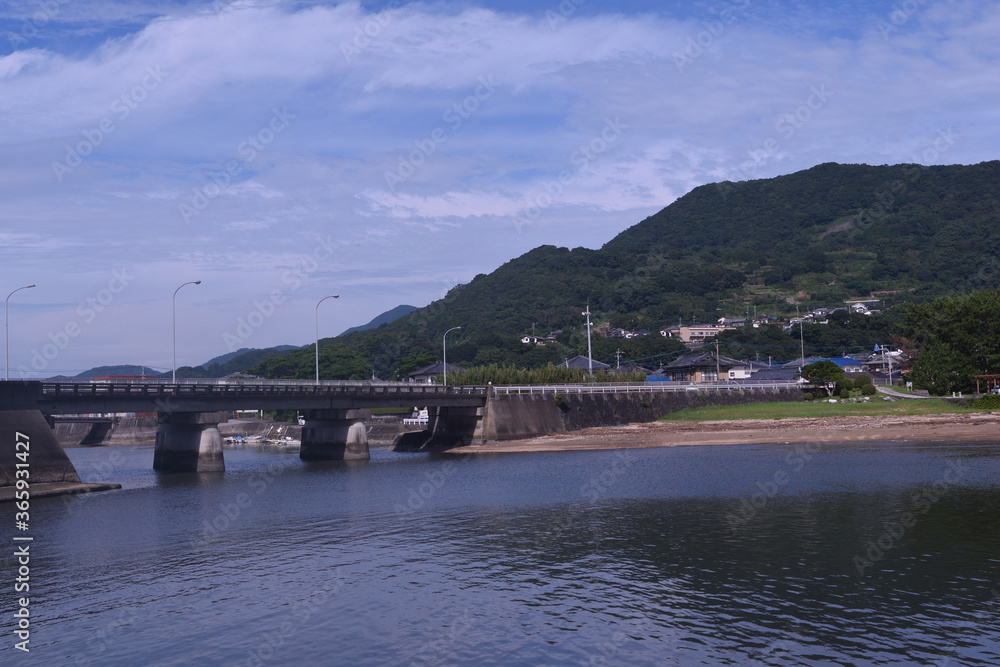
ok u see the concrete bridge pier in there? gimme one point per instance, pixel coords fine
(189, 442)
(335, 435)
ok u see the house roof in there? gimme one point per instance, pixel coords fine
(774, 374)
(435, 369)
(580, 361)
(702, 360)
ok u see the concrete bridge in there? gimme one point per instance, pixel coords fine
(189, 414)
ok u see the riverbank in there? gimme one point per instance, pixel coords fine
(955, 427)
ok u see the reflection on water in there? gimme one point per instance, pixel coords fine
(840, 555)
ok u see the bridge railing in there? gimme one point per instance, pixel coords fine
(623, 388)
(269, 387)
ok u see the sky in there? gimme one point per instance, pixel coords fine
(281, 152)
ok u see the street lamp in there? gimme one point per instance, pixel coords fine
(6, 320)
(444, 352)
(332, 296)
(173, 370)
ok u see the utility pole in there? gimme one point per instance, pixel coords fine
(590, 357)
(716, 361)
(802, 342)
(618, 357)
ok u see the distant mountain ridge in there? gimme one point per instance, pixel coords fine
(812, 238)
(385, 318)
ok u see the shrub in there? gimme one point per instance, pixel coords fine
(807, 396)
(842, 385)
(869, 389)
(988, 402)
(862, 381)
(845, 393)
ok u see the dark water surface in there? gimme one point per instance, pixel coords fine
(883, 554)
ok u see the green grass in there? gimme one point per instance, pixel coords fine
(816, 409)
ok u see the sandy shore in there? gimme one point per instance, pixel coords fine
(976, 427)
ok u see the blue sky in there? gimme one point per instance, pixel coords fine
(283, 151)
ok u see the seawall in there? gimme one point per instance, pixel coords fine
(588, 410)
(521, 416)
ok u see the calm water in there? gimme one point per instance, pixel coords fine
(753, 555)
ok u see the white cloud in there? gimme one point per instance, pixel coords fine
(362, 108)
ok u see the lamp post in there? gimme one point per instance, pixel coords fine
(444, 352)
(173, 306)
(6, 321)
(332, 296)
(590, 355)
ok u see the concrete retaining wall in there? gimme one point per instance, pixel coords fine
(47, 461)
(588, 410)
(513, 417)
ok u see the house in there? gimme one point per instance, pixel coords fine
(745, 369)
(427, 374)
(775, 374)
(671, 332)
(701, 367)
(848, 365)
(694, 333)
(533, 340)
(631, 368)
(580, 361)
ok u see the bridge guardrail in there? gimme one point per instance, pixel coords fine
(300, 388)
(616, 388)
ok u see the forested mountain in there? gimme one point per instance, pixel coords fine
(384, 318)
(904, 233)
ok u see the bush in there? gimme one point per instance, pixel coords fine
(869, 389)
(807, 396)
(862, 381)
(845, 393)
(842, 385)
(988, 402)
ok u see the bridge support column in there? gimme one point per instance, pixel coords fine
(335, 435)
(189, 442)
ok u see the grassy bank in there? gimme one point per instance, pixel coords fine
(817, 409)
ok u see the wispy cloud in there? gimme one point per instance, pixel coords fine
(364, 104)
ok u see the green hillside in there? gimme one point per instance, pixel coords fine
(900, 234)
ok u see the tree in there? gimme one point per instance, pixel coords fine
(823, 374)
